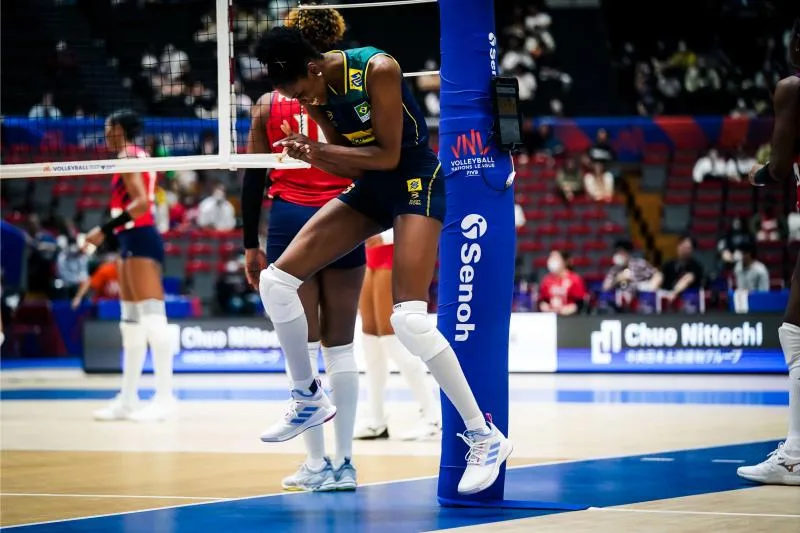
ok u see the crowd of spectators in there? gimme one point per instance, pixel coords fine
(676, 78)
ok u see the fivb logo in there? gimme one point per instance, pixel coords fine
(606, 342)
(473, 227)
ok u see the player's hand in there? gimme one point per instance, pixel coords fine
(670, 296)
(295, 144)
(76, 303)
(255, 260)
(751, 176)
(94, 238)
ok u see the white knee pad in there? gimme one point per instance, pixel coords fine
(416, 331)
(789, 335)
(279, 295)
(339, 359)
(153, 317)
(134, 335)
(129, 311)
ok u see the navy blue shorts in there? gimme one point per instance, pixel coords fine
(141, 242)
(285, 221)
(416, 187)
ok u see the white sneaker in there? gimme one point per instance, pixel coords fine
(157, 410)
(115, 410)
(346, 476)
(307, 479)
(371, 431)
(778, 469)
(304, 411)
(425, 429)
(486, 455)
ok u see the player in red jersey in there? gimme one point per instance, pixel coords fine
(381, 345)
(330, 297)
(143, 317)
(782, 467)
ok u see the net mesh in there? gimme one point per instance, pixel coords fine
(156, 59)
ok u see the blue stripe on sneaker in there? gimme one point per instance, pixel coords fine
(310, 409)
(494, 446)
(493, 461)
(304, 415)
(493, 454)
(298, 420)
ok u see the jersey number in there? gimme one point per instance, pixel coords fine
(302, 123)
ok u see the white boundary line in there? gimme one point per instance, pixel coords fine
(367, 4)
(701, 513)
(378, 483)
(115, 496)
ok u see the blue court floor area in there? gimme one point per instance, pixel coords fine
(697, 397)
(411, 506)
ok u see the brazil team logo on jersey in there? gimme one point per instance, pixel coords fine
(363, 111)
(414, 184)
(356, 79)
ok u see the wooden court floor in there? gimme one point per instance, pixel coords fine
(57, 464)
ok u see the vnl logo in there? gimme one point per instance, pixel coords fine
(470, 144)
(473, 227)
(606, 342)
(493, 53)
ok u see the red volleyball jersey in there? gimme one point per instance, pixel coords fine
(559, 291)
(120, 197)
(308, 186)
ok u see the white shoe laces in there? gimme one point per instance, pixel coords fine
(478, 450)
(777, 455)
(291, 410)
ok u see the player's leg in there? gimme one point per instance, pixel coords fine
(332, 232)
(316, 468)
(134, 351)
(144, 275)
(419, 206)
(341, 285)
(783, 466)
(374, 424)
(411, 367)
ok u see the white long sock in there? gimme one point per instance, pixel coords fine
(377, 373)
(413, 371)
(418, 334)
(789, 335)
(314, 438)
(340, 365)
(152, 315)
(134, 347)
(282, 303)
(448, 373)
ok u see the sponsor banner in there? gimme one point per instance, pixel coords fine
(670, 343)
(251, 345)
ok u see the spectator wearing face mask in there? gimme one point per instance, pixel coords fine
(737, 236)
(562, 291)
(216, 211)
(72, 266)
(630, 274)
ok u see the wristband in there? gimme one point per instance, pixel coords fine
(121, 220)
(762, 176)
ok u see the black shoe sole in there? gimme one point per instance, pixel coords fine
(380, 436)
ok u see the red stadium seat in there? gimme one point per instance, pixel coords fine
(193, 267)
(228, 249)
(547, 230)
(531, 246)
(705, 227)
(581, 262)
(609, 228)
(200, 249)
(172, 249)
(589, 246)
(580, 229)
(91, 203)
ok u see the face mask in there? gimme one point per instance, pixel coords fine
(554, 265)
(619, 260)
(736, 225)
(219, 195)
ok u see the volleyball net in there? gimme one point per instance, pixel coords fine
(188, 68)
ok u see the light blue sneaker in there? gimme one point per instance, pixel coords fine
(346, 476)
(306, 479)
(305, 410)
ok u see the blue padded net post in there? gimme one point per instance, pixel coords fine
(476, 269)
